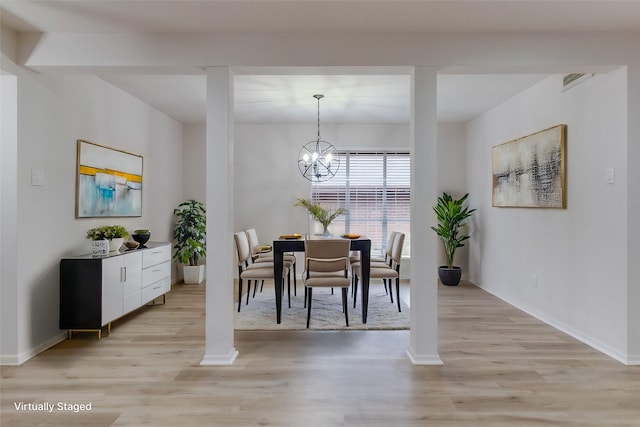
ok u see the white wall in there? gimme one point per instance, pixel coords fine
(8, 214)
(576, 253)
(193, 162)
(53, 112)
(266, 172)
(452, 176)
(267, 180)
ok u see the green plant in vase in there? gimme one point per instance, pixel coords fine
(107, 232)
(321, 214)
(451, 215)
(190, 235)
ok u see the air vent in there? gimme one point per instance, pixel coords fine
(570, 80)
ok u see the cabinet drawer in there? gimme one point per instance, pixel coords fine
(156, 256)
(155, 273)
(156, 289)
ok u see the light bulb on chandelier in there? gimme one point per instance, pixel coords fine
(318, 160)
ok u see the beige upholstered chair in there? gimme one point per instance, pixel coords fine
(256, 271)
(384, 261)
(326, 266)
(384, 272)
(259, 254)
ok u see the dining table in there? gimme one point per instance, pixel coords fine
(296, 244)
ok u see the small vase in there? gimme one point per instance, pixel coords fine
(325, 232)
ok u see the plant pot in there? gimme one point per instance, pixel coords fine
(141, 238)
(115, 243)
(100, 247)
(193, 274)
(449, 276)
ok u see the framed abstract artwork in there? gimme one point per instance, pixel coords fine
(108, 182)
(530, 171)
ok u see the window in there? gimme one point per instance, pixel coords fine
(374, 187)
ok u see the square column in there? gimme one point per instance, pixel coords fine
(219, 345)
(423, 346)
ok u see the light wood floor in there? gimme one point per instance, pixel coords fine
(502, 368)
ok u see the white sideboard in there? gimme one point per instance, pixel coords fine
(96, 290)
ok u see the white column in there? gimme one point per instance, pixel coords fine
(9, 289)
(219, 348)
(633, 206)
(423, 346)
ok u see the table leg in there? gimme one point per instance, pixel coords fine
(365, 265)
(278, 261)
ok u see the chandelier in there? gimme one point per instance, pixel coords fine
(318, 160)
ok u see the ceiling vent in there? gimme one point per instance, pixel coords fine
(570, 80)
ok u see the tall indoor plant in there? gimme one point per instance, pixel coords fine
(321, 214)
(451, 215)
(190, 235)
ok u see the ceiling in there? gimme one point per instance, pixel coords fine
(349, 97)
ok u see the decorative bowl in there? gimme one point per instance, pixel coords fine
(130, 244)
(141, 238)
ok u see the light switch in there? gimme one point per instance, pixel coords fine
(37, 177)
(610, 176)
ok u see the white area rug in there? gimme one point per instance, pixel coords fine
(326, 311)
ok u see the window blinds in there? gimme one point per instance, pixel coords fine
(374, 187)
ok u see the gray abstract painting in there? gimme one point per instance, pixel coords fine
(530, 171)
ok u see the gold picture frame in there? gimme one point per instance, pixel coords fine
(108, 182)
(530, 171)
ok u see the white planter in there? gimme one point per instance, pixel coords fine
(114, 244)
(193, 274)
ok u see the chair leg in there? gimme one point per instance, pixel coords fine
(308, 291)
(353, 280)
(385, 287)
(398, 293)
(390, 289)
(295, 282)
(355, 291)
(289, 288)
(255, 288)
(249, 289)
(239, 294)
(344, 305)
(261, 286)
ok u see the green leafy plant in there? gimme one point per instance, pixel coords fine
(451, 214)
(190, 232)
(141, 231)
(321, 214)
(107, 232)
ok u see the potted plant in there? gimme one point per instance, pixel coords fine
(141, 236)
(321, 214)
(190, 235)
(451, 215)
(115, 234)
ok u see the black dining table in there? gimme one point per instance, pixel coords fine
(361, 244)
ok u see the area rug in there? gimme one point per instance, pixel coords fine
(326, 312)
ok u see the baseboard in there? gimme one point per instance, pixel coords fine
(601, 347)
(19, 359)
(218, 360)
(430, 359)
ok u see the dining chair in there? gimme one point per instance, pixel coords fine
(256, 271)
(384, 272)
(327, 266)
(384, 261)
(262, 253)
